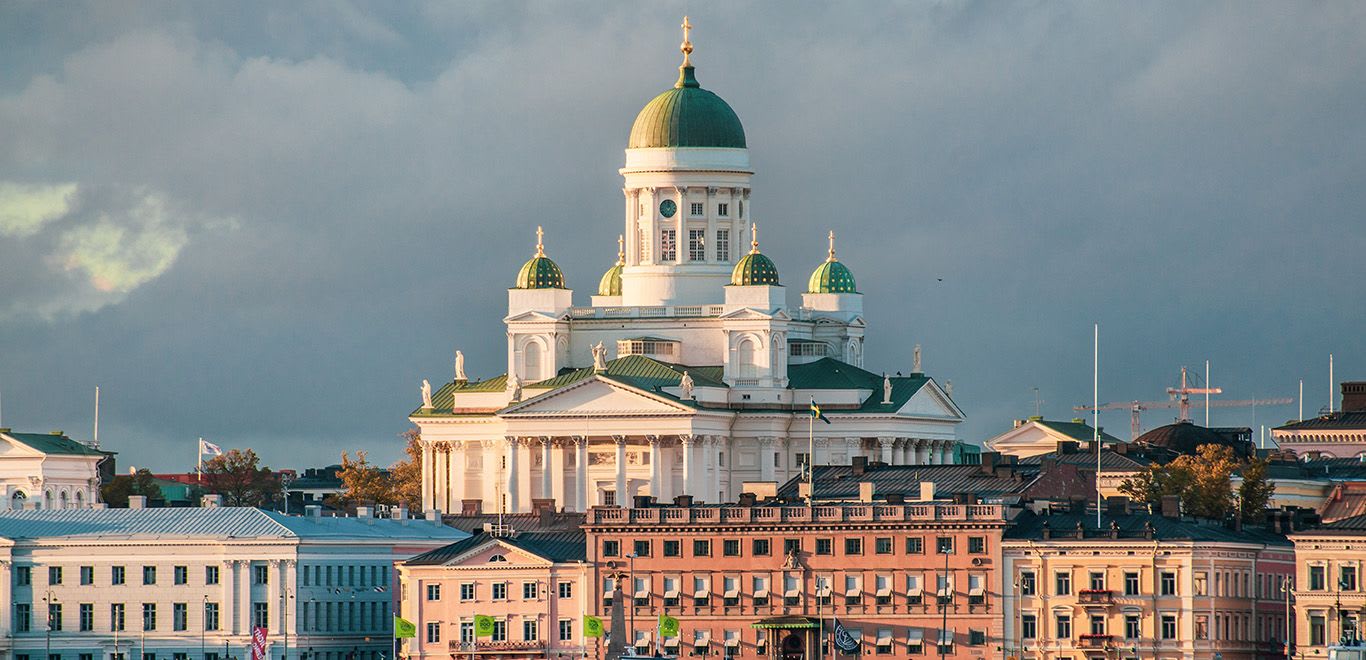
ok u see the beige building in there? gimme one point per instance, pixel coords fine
(1142, 586)
(1329, 600)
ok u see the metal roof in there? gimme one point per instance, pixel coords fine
(207, 523)
(559, 546)
(1063, 526)
(1346, 421)
(838, 482)
(52, 443)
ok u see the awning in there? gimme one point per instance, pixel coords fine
(915, 635)
(946, 637)
(762, 593)
(784, 623)
(701, 593)
(733, 642)
(946, 592)
(642, 593)
(915, 591)
(610, 593)
(792, 593)
(671, 641)
(824, 592)
(853, 592)
(884, 637)
(976, 591)
(732, 593)
(884, 592)
(672, 593)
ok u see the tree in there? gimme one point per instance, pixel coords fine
(1203, 482)
(116, 492)
(238, 477)
(400, 484)
(407, 474)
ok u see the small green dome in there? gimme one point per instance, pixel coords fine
(539, 272)
(610, 284)
(831, 276)
(754, 269)
(687, 116)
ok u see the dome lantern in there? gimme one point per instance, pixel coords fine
(831, 276)
(539, 272)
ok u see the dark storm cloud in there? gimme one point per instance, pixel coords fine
(342, 192)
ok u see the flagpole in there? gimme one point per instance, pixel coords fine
(811, 457)
(199, 462)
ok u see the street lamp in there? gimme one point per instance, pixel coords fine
(632, 617)
(1286, 587)
(203, 625)
(49, 600)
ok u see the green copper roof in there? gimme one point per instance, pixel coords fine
(754, 269)
(610, 284)
(687, 116)
(53, 443)
(539, 273)
(831, 277)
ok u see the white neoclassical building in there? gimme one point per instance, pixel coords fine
(48, 470)
(689, 372)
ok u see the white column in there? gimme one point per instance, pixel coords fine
(490, 474)
(766, 469)
(457, 472)
(6, 582)
(822, 456)
(512, 487)
(428, 498)
(557, 475)
(686, 443)
(242, 578)
(547, 482)
(656, 468)
(446, 476)
(227, 601)
(620, 440)
(885, 445)
(947, 456)
(935, 455)
(581, 472)
(852, 447)
(922, 452)
(273, 590)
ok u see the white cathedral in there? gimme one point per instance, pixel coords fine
(713, 373)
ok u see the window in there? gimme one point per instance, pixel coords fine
(760, 547)
(467, 632)
(1347, 578)
(149, 616)
(433, 592)
(1131, 629)
(1062, 584)
(668, 245)
(730, 547)
(883, 545)
(944, 545)
(697, 248)
(54, 574)
(1317, 579)
(149, 574)
(433, 633)
(825, 546)
(977, 545)
(566, 589)
(1063, 628)
(915, 545)
(673, 549)
(1317, 630)
(500, 631)
(792, 546)
(23, 617)
(1097, 624)
(977, 637)
(723, 245)
(116, 618)
(723, 209)
(1131, 584)
(566, 630)
(211, 616)
(1168, 626)
(1027, 584)
(87, 575)
(853, 545)
(260, 614)
(467, 591)
(701, 548)
(23, 576)
(697, 208)
(500, 591)
(87, 612)
(853, 591)
(1168, 583)
(54, 616)
(529, 631)
(1097, 581)
(116, 575)
(182, 574)
(529, 591)
(611, 548)
(179, 616)
(1029, 626)
(641, 548)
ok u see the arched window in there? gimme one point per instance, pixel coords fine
(16, 501)
(47, 499)
(531, 361)
(747, 359)
(497, 558)
(61, 500)
(80, 500)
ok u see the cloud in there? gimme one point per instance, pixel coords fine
(25, 208)
(119, 253)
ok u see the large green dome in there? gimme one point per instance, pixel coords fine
(539, 272)
(687, 116)
(831, 276)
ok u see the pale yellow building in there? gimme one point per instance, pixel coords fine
(1329, 600)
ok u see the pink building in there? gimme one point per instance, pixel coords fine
(754, 580)
(534, 584)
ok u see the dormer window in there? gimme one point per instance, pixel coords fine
(666, 350)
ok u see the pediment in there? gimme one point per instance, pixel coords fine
(746, 313)
(496, 553)
(532, 317)
(13, 448)
(930, 401)
(596, 395)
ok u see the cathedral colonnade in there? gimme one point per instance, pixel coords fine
(519, 473)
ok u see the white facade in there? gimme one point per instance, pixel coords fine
(202, 578)
(586, 429)
(47, 470)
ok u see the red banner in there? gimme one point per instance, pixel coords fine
(258, 643)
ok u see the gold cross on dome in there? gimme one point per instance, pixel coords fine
(832, 245)
(540, 245)
(621, 248)
(686, 46)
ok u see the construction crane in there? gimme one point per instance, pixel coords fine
(1181, 400)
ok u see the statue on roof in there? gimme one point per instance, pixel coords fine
(426, 395)
(915, 359)
(599, 357)
(460, 368)
(948, 388)
(886, 388)
(685, 385)
(514, 387)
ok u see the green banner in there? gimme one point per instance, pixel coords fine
(668, 626)
(592, 626)
(403, 628)
(483, 626)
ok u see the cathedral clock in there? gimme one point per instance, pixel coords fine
(667, 208)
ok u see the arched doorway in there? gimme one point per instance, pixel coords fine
(793, 646)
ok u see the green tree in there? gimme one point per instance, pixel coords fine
(407, 473)
(1256, 490)
(238, 476)
(116, 492)
(1204, 484)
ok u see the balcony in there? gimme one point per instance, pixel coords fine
(1096, 597)
(1093, 641)
(509, 647)
(797, 513)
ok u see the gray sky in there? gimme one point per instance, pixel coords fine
(263, 223)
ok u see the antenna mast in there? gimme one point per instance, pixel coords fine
(95, 439)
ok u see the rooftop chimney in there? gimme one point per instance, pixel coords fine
(865, 491)
(641, 501)
(313, 511)
(365, 513)
(1353, 396)
(1116, 506)
(1171, 506)
(399, 512)
(989, 461)
(859, 464)
(1018, 423)
(926, 491)
(137, 501)
(434, 515)
(761, 489)
(683, 501)
(747, 499)
(211, 501)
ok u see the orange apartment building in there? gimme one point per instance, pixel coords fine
(763, 579)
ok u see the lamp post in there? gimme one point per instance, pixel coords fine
(1286, 586)
(203, 625)
(49, 600)
(632, 617)
(287, 597)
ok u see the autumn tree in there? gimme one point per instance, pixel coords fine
(407, 473)
(1204, 484)
(116, 492)
(400, 484)
(239, 478)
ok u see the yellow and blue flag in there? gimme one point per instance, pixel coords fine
(816, 412)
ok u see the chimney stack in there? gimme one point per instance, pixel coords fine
(989, 461)
(1171, 506)
(313, 511)
(211, 501)
(860, 465)
(927, 491)
(137, 501)
(865, 491)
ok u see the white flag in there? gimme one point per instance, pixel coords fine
(209, 448)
